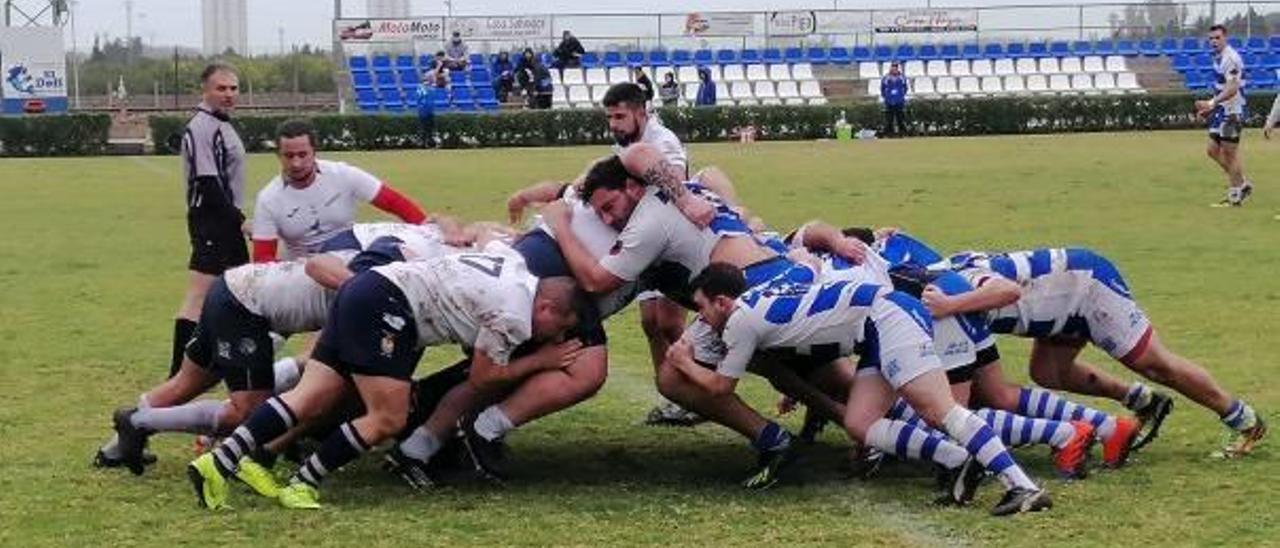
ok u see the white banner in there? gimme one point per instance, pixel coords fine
(389, 30)
(925, 20)
(792, 23)
(843, 22)
(497, 28)
(804, 23)
(34, 65)
(720, 24)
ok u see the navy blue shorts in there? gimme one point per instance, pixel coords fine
(232, 342)
(371, 330)
(340, 241)
(542, 255)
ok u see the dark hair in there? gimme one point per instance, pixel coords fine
(214, 68)
(440, 53)
(1219, 27)
(296, 127)
(720, 279)
(625, 92)
(608, 173)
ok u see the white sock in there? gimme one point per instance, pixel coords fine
(972, 433)
(493, 423)
(197, 417)
(421, 444)
(111, 449)
(287, 374)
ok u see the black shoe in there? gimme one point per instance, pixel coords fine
(866, 463)
(813, 425)
(132, 440)
(1019, 500)
(962, 483)
(487, 456)
(770, 464)
(101, 460)
(1152, 416)
(412, 471)
(1246, 191)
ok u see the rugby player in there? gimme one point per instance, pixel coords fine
(1225, 111)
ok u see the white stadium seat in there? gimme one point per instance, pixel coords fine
(597, 93)
(757, 73)
(1037, 83)
(1071, 65)
(923, 87)
(1049, 65)
(1059, 82)
(771, 101)
(559, 96)
(691, 92)
(1014, 84)
(579, 94)
(733, 73)
(991, 84)
(688, 74)
(1081, 82)
(969, 85)
(959, 67)
(723, 100)
(596, 77)
(1128, 81)
(660, 74)
(818, 101)
(810, 89)
(572, 77)
(788, 90)
(802, 71)
(867, 69)
(935, 68)
(740, 90)
(1003, 67)
(765, 90)
(1093, 63)
(982, 67)
(1116, 63)
(873, 88)
(618, 75)
(779, 73)
(1105, 82)
(913, 69)
(555, 77)
(1026, 65)
(946, 86)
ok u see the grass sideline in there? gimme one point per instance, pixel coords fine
(92, 268)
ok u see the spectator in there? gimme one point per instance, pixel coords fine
(706, 88)
(534, 78)
(893, 89)
(427, 112)
(569, 53)
(456, 53)
(439, 71)
(670, 91)
(504, 76)
(642, 80)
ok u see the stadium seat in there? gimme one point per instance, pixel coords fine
(868, 69)
(1080, 48)
(1192, 45)
(636, 58)
(882, 53)
(404, 62)
(1093, 63)
(690, 93)
(927, 52)
(936, 68)
(1037, 83)
(969, 85)
(1271, 60)
(1108, 47)
(765, 90)
(619, 74)
(1202, 61)
(793, 55)
(367, 100)
(597, 93)
(757, 73)
(1014, 84)
(904, 52)
(802, 71)
(386, 79)
(409, 76)
(1123, 47)
(1181, 62)
(913, 68)
(771, 55)
(1059, 49)
(816, 56)
(1236, 43)
(1116, 63)
(613, 59)
(1128, 81)
(358, 62)
(946, 86)
(810, 89)
(818, 101)
(1026, 65)
(971, 51)
(1081, 82)
(733, 73)
(726, 56)
(1149, 48)
(1273, 43)
(1060, 83)
(440, 97)
(596, 76)
(724, 100)
(688, 73)
(949, 52)
(361, 81)
(1105, 82)
(1256, 44)
(1071, 65)
(681, 57)
(659, 57)
(1038, 49)
(1169, 46)
(1003, 67)
(1016, 50)
(1252, 60)
(788, 90)
(572, 77)
(382, 62)
(559, 96)
(993, 51)
(750, 56)
(959, 67)
(1196, 80)
(1261, 79)
(873, 88)
(487, 99)
(981, 67)
(839, 56)
(740, 90)
(779, 73)
(591, 59)
(992, 85)
(923, 87)
(703, 57)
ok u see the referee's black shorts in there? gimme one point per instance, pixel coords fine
(217, 243)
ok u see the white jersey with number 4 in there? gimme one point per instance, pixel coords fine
(304, 218)
(482, 300)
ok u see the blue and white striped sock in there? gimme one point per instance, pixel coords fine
(1239, 416)
(1017, 430)
(1043, 404)
(978, 439)
(907, 441)
(903, 412)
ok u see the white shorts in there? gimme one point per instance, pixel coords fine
(897, 341)
(955, 348)
(648, 295)
(1117, 325)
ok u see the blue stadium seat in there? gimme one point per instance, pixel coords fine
(390, 98)
(658, 57)
(425, 61)
(1169, 46)
(481, 75)
(636, 58)
(1124, 47)
(591, 59)
(386, 79)
(905, 52)
(1237, 43)
(971, 51)
(882, 53)
(703, 57)
(1261, 79)
(1256, 44)
(613, 59)
(816, 56)
(1037, 49)
(928, 52)
(478, 59)
(462, 94)
(859, 54)
(545, 57)
(750, 56)
(361, 80)
(1059, 49)
(793, 55)
(459, 78)
(681, 57)
(1016, 50)
(771, 55)
(1181, 62)
(1149, 48)
(1196, 80)
(949, 51)
(1274, 42)
(1271, 60)
(1202, 61)
(486, 98)
(1192, 45)
(993, 51)
(727, 56)
(382, 62)
(409, 77)
(1251, 60)
(840, 56)
(358, 62)
(404, 61)
(1082, 48)
(1110, 47)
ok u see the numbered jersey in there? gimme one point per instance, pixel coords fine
(481, 300)
(282, 293)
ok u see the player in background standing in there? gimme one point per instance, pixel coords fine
(1225, 111)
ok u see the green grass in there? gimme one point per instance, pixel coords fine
(92, 265)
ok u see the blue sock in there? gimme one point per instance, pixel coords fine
(341, 447)
(1239, 416)
(269, 421)
(772, 437)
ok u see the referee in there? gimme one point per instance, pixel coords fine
(213, 164)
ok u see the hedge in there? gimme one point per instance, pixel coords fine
(54, 135)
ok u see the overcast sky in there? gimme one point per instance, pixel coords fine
(167, 22)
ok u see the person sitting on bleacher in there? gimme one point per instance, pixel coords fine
(706, 89)
(569, 53)
(456, 53)
(439, 74)
(504, 76)
(534, 78)
(669, 92)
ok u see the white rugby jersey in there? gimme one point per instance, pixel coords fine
(482, 300)
(304, 218)
(873, 269)
(282, 293)
(597, 237)
(663, 139)
(423, 241)
(1055, 283)
(1228, 66)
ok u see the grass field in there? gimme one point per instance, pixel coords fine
(92, 267)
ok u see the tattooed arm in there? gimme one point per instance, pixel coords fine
(650, 166)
